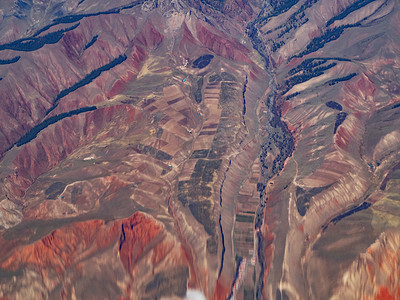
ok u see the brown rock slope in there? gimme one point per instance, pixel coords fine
(138, 247)
(73, 185)
(246, 150)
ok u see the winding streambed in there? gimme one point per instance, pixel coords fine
(278, 137)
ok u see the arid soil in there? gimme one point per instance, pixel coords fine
(242, 149)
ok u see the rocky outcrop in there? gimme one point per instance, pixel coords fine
(38, 156)
(27, 99)
(137, 246)
(243, 149)
(375, 274)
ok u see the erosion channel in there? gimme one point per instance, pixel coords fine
(278, 140)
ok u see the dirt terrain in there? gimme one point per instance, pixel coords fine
(241, 149)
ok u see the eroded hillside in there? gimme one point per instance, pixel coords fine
(243, 149)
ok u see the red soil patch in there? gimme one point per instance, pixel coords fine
(149, 37)
(61, 248)
(136, 233)
(56, 142)
(269, 246)
(384, 294)
(187, 37)
(222, 290)
(64, 248)
(220, 45)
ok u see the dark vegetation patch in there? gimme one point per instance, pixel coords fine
(76, 18)
(260, 187)
(7, 273)
(35, 43)
(222, 239)
(309, 68)
(215, 78)
(257, 43)
(31, 134)
(309, 65)
(161, 155)
(192, 190)
(197, 94)
(345, 78)
(281, 6)
(203, 214)
(205, 169)
(228, 93)
(202, 153)
(396, 106)
(203, 61)
(168, 283)
(159, 132)
(276, 45)
(224, 76)
(292, 95)
(227, 77)
(283, 141)
(334, 105)
(303, 198)
(258, 221)
(92, 41)
(302, 202)
(157, 117)
(131, 101)
(9, 61)
(340, 117)
(147, 102)
(216, 4)
(227, 127)
(23, 5)
(355, 209)
(212, 244)
(196, 191)
(353, 7)
(88, 79)
(329, 36)
(223, 138)
(244, 218)
(54, 190)
(293, 22)
(339, 58)
(228, 100)
(157, 154)
(244, 99)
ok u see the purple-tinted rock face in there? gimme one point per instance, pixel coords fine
(235, 149)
